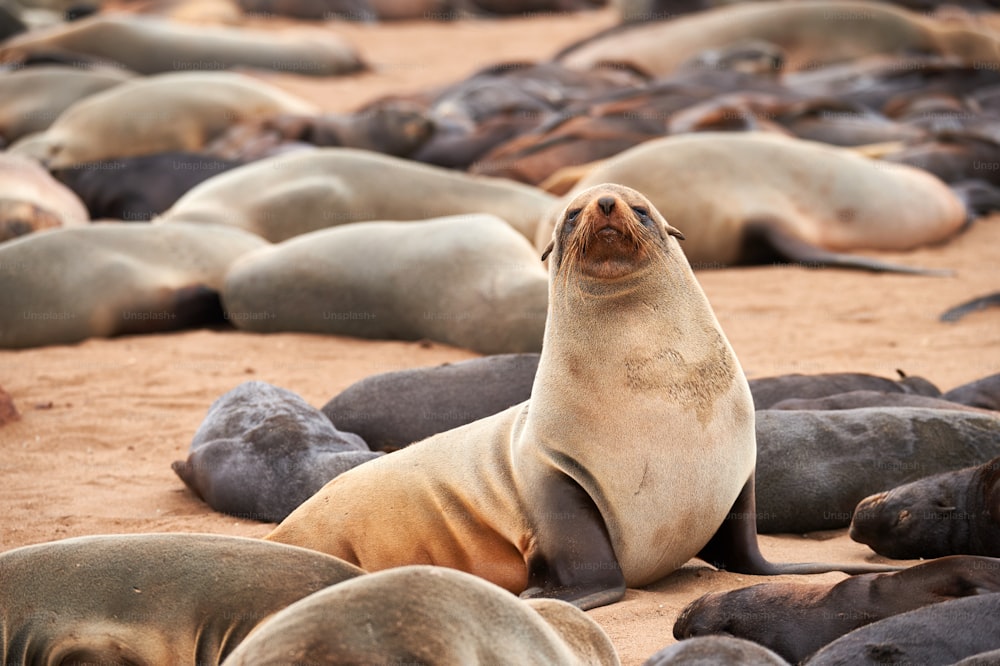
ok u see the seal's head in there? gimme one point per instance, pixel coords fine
(607, 232)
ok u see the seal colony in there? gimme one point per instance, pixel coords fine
(634, 454)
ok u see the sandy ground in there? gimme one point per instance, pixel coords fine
(103, 420)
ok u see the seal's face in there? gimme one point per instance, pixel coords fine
(608, 232)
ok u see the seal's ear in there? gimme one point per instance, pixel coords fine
(671, 231)
(548, 250)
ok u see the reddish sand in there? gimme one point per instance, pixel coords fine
(103, 420)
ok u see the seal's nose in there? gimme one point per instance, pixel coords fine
(607, 204)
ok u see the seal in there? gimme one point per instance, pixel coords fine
(769, 391)
(529, 498)
(151, 45)
(262, 450)
(941, 514)
(138, 188)
(714, 650)
(983, 393)
(32, 98)
(106, 279)
(177, 111)
(288, 195)
(795, 620)
(32, 200)
(874, 206)
(862, 399)
(391, 410)
(149, 598)
(937, 634)
(810, 35)
(813, 466)
(427, 615)
(465, 280)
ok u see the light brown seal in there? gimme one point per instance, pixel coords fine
(106, 279)
(287, 195)
(151, 45)
(785, 199)
(810, 35)
(634, 454)
(180, 599)
(181, 111)
(32, 98)
(466, 280)
(31, 199)
(425, 615)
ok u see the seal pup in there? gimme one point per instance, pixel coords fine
(633, 360)
(812, 204)
(32, 200)
(288, 195)
(715, 650)
(180, 599)
(262, 450)
(138, 188)
(934, 635)
(983, 393)
(152, 45)
(942, 514)
(795, 620)
(176, 111)
(814, 466)
(32, 98)
(465, 280)
(426, 615)
(391, 410)
(107, 278)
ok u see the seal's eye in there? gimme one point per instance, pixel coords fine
(571, 216)
(643, 215)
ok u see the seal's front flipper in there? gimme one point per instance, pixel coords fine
(968, 307)
(765, 243)
(734, 546)
(571, 557)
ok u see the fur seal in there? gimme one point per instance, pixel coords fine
(768, 391)
(151, 45)
(795, 620)
(715, 650)
(391, 410)
(138, 188)
(532, 501)
(840, 201)
(425, 615)
(466, 280)
(950, 513)
(31, 199)
(862, 399)
(32, 98)
(810, 35)
(181, 599)
(934, 635)
(288, 195)
(177, 111)
(983, 393)
(813, 467)
(107, 279)
(262, 450)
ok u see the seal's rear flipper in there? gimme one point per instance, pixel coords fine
(765, 243)
(571, 557)
(734, 546)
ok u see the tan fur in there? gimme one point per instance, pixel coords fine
(31, 199)
(711, 185)
(620, 404)
(178, 111)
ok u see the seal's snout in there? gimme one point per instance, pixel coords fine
(606, 204)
